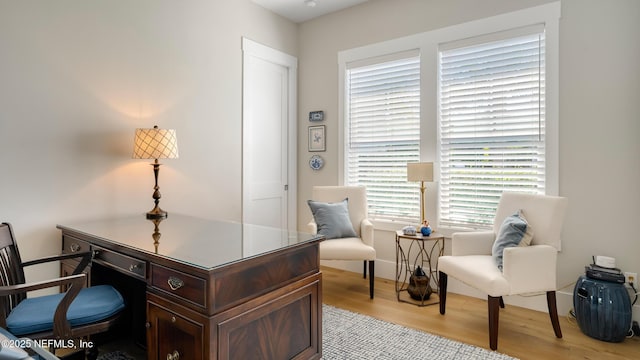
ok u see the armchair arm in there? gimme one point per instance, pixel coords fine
(312, 227)
(20, 288)
(530, 269)
(472, 243)
(61, 326)
(44, 354)
(84, 262)
(366, 232)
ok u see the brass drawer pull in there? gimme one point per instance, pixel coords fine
(74, 247)
(175, 283)
(133, 267)
(174, 356)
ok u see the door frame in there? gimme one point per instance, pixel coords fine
(251, 48)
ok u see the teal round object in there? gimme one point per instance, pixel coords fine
(603, 309)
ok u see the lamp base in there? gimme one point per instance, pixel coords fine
(157, 213)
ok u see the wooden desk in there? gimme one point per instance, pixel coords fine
(214, 290)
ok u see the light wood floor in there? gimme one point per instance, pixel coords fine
(523, 333)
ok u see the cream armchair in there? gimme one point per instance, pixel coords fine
(526, 269)
(358, 247)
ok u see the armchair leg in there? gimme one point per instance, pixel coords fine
(364, 271)
(494, 312)
(553, 313)
(372, 265)
(501, 303)
(442, 291)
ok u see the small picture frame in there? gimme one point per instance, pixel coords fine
(316, 115)
(316, 138)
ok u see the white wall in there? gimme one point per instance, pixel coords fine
(599, 110)
(77, 77)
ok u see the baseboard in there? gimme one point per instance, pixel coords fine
(387, 270)
(384, 269)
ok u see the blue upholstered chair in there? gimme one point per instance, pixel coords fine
(74, 314)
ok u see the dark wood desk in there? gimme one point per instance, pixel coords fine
(214, 290)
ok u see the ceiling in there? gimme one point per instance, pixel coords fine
(298, 10)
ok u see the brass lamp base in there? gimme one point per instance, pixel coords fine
(157, 213)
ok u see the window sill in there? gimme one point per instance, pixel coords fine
(394, 225)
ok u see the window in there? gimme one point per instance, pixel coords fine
(491, 124)
(382, 134)
(487, 102)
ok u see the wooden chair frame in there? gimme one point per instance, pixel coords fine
(14, 289)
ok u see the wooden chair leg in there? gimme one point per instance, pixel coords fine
(494, 312)
(364, 272)
(372, 265)
(442, 291)
(553, 313)
(501, 302)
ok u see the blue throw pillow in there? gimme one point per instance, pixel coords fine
(332, 219)
(513, 232)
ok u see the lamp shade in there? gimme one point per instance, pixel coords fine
(155, 144)
(420, 171)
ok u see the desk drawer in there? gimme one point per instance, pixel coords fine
(180, 284)
(73, 245)
(123, 263)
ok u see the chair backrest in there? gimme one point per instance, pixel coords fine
(544, 213)
(357, 196)
(11, 271)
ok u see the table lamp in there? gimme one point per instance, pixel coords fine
(420, 171)
(155, 144)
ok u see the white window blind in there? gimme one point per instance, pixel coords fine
(492, 126)
(383, 134)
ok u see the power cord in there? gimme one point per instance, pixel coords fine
(571, 317)
(635, 329)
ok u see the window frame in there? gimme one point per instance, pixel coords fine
(428, 44)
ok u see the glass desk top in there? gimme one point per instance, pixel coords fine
(202, 243)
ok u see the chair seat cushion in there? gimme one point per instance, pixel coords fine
(92, 304)
(477, 271)
(351, 248)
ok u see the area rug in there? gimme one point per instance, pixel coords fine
(116, 355)
(352, 336)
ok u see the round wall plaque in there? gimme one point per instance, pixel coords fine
(316, 162)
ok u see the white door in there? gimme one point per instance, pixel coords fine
(269, 137)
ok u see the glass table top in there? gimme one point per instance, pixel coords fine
(202, 243)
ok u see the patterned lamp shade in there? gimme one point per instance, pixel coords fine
(155, 144)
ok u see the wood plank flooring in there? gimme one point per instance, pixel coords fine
(523, 333)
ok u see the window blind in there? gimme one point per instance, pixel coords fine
(383, 134)
(491, 126)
